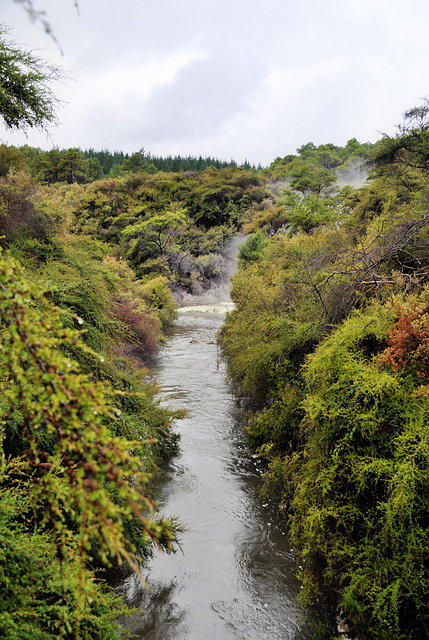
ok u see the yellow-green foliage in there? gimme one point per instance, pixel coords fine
(76, 484)
(360, 503)
(272, 218)
(160, 223)
(160, 299)
(116, 308)
(284, 301)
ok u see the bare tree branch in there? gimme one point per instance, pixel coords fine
(40, 16)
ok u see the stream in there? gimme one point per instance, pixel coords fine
(233, 576)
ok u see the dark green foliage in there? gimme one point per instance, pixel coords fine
(26, 98)
(409, 149)
(146, 162)
(94, 165)
(71, 166)
(189, 163)
(252, 248)
(165, 223)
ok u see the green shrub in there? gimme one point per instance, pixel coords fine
(359, 511)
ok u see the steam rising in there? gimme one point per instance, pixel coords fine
(219, 292)
(354, 175)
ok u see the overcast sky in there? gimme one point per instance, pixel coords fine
(241, 79)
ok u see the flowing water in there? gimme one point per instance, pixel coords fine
(234, 574)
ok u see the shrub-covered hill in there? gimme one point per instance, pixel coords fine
(329, 343)
(173, 225)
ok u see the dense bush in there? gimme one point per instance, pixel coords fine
(329, 345)
(359, 491)
(70, 486)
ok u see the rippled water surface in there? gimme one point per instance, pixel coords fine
(234, 574)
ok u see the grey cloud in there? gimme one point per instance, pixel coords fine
(200, 99)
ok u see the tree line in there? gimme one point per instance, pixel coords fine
(84, 166)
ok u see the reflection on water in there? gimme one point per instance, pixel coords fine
(233, 577)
